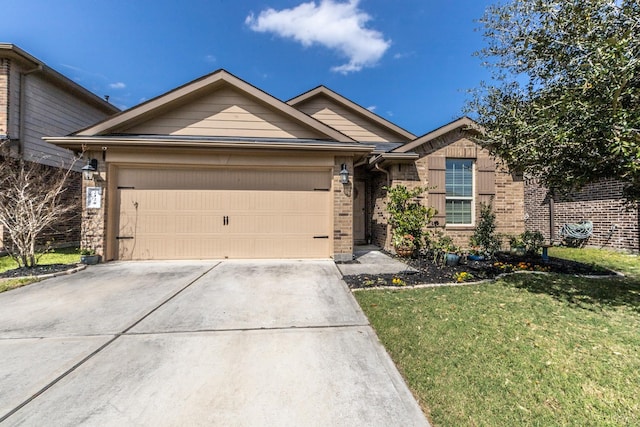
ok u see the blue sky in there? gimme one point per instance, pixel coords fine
(410, 61)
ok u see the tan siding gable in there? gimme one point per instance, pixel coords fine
(225, 112)
(353, 125)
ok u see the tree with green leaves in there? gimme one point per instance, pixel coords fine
(564, 101)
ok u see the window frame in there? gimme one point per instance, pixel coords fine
(471, 199)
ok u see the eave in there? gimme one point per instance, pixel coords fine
(92, 142)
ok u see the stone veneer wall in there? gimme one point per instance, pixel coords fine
(508, 197)
(94, 220)
(614, 225)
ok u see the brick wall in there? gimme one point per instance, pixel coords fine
(508, 191)
(614, 225)
(343, 212)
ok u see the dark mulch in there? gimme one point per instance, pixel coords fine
(38, 270)
(431, 273)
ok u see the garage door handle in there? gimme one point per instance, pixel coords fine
(320, 237)
(225, 220)
(124, 237)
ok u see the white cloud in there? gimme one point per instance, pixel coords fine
(337, 26)
(372, 108)
(117, 85)
(210, 59)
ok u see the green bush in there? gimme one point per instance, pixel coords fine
(484, 236)
(407, 215)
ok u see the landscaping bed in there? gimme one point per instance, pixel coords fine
(429, 272)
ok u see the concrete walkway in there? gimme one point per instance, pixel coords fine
(233, 343)
(371, 260)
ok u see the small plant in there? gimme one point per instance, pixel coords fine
(398, 282)
(529, 242)
(484, 236)
(463, 276)
(87, 251)
(406, 241)
(532, 241)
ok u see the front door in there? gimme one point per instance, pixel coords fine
(359, 214)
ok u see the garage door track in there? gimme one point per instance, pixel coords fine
(232, 343)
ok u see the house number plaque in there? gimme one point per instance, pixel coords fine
(94, 197)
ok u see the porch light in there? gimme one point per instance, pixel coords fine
(90, 169)
(344, 174)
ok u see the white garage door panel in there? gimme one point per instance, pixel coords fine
(183, 224)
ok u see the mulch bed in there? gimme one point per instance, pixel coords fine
(431, 273)
(38, 270)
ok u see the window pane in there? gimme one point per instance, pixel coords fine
(458, 211)
(459, 178)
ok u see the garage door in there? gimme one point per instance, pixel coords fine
(223, 214)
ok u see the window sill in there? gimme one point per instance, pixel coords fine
(460, 227)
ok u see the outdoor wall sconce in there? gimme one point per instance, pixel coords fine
(89, 170)
(344, 174)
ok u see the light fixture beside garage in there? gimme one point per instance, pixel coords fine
(89, 170)
(344, 174)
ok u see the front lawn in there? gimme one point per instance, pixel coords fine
(525, 350)
(58, 256)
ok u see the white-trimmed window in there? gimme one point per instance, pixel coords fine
(459, 191)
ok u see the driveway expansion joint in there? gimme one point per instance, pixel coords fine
(100, 348)
(266, 329)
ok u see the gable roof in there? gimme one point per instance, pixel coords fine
(11, 51)
(358, 110)
(464, 123)
(190, 91)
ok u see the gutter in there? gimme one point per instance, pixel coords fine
(124, 142)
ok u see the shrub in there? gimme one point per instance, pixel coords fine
(407, 215)
(484, 236)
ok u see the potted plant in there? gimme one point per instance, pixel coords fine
(88, 256)
(404, 244)
(475, 254)
(517, 245)
(452, 255)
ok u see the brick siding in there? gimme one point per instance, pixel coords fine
(508, 197)
(615, 226)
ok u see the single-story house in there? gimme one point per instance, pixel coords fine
(38, 101)
(218, 168)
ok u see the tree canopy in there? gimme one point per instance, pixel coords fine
(564, 101)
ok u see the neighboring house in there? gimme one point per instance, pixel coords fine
(615, 224)
(37, 101)
(218, 168)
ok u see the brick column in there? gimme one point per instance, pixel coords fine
(94, 219)
(342, 212)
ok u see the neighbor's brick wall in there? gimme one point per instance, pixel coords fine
(67, 231)
(600, 203)
(508, 201)
(342, 212)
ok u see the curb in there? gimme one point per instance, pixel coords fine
(78, 267)
(614, 274)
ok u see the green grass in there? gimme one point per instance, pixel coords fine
(526, 350)
(57, 256)
(7, 285)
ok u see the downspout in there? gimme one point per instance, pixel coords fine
(21, 107)
(384, 171)
(552, 220)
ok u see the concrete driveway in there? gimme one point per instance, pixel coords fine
(232, 343)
